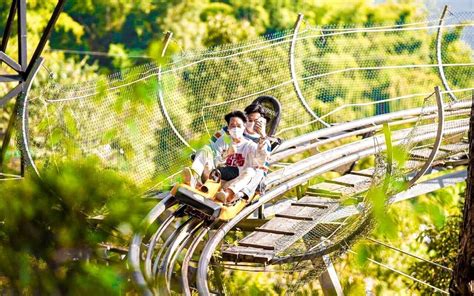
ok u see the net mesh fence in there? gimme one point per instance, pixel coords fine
(146, 121)
(413, 140)
(343, 73)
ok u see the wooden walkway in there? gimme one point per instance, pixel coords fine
(316, 209)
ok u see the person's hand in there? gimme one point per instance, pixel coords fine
(260, 127)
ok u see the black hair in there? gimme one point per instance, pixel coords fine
(253, 108)
(236, 113)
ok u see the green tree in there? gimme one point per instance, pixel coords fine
(51, 230)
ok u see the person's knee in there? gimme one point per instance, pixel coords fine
(249, 172)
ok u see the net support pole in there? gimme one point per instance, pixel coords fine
(439, 138)
(8, 27)
(439, 37)
(328, 279)
(164, 111)
(26, 71)
(18, 7)
(45, 36)
(294, 79)
(27, 158)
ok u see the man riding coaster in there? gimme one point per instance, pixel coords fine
(240, 161)
(255, 130)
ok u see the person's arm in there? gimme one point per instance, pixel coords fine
(263, 143)
(258, 153)
(220, 144)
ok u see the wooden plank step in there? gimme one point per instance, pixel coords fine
(351, 180)
(424, 153)
(453, 148)
(311, 205)
(300, 213)
(263, 240)
(315, 202)
(413, 164)
(338, 189)
(326, 188)
(276, 231)
(251, 247)
(365, 173)
(280, 224)
(318, 200)
(305, 218)
(247, 254)
(334, 195)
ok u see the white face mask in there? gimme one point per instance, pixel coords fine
(236, 132)
(249, 125)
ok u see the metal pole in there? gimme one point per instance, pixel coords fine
(439, 139)
(21, 20)
(329, 280)
(294, 79)
(8, 26)
(46, 33)
(22, 101)
(7, 136)
(164, 111)
(439, 59)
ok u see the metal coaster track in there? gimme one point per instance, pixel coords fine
(155, 266)
(191, 233)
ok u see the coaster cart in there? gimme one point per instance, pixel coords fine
(201, 202)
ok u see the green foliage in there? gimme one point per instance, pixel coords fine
(442, 248)
(417, 234)
(43, 220)
(245, 283)
(51, 229)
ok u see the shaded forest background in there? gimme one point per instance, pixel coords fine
(46, 223)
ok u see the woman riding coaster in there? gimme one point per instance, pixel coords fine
(236, 157)
(255, 131)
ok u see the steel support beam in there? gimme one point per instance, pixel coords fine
(9, 61)
(22, 43)
(11, 94)
(45, 37)
(26, 72)
(329, 280)
(8, 27)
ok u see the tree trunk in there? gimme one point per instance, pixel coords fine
(462, 282)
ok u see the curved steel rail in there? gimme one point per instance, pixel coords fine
(167, 250)
(369, 121)
(439, 139)
(439, 36)
(152, 244)
(365, 149)
(161, 97)
(134, 250)
(25, 147)
(168, 272)
(294, 79)
(166, 269)
(188, 256)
